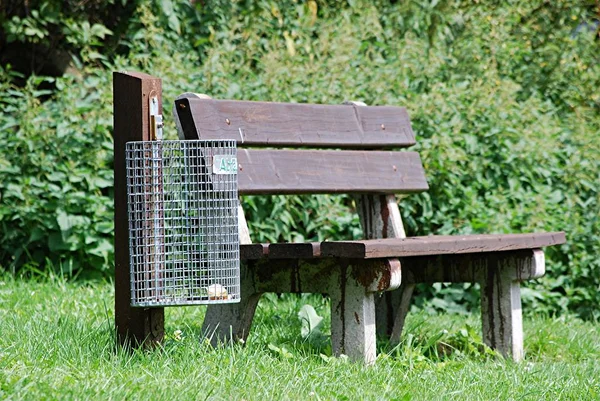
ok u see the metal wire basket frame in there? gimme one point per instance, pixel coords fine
(183, 222)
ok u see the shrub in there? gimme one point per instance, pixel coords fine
(41, 37)
(57, 177)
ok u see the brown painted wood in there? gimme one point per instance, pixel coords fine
(253, 251)
(131, 91)
(285, 171)
(439, 245)
(305, 250)
(405, 247)
(296, 125)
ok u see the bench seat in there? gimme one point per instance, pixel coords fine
(497, 262)
(403, 247)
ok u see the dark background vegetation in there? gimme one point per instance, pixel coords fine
(504, 99)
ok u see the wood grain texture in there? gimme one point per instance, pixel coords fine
(253, 251)
(295, 125)
(403, 247)
(439, 245)
(131, 91)
(304, 250)
(285, 171)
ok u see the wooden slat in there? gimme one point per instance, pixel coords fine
(329, 171)
(304, 250)
(405, 247)
(439, 245)
(295, 125)
(253, 251)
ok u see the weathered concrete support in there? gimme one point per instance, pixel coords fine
(380, 218)
(400, 309)
(319, 276)
(499, 274)
(473, 268)
(352, 319)
(502, 320)
(232, 322)
(351, 284)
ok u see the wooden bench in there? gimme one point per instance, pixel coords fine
(338, 149)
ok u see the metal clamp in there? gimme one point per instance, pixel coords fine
(156, 120)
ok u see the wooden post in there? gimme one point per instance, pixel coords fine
(131, 94)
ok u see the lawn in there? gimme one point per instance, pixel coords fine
(57, 342)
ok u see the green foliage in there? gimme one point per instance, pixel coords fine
(503, 99)
(42, 36)
(300, 218)
(57, 178)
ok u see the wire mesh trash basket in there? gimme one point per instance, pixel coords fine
(183, 224)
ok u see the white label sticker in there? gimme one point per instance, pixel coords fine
(225, 164)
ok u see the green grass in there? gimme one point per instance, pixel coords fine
(57, 342)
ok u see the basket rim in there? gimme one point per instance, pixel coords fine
(187, 141)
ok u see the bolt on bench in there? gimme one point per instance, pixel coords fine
(370, 281)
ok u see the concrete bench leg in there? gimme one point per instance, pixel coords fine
(405, 294)
(391, 309)
(353, 320)
(501, 314)
(232, 322)
(386, 305)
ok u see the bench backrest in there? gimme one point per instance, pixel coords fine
(359, 135)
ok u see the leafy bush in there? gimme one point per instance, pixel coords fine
(43, 36)
(57, 177)
(502, 98)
